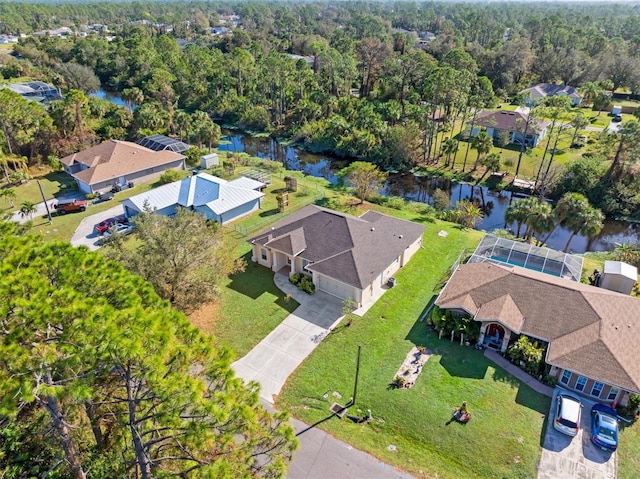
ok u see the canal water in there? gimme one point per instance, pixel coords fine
(494, 203)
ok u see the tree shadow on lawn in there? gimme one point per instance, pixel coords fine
(526, 396)
(256, 280)
(66, 182)
(459, 361)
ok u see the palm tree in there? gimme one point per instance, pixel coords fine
(449, 147)
(576, 214)
(492, 164)
(517, 212)
(27, 208)
(482, 143)
(467, 213)
(578, 123)
(540, 221)
(9, 194)
(590, 91)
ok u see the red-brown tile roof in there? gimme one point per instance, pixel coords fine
(114, 158)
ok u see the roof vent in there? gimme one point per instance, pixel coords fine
(373, 229)
(400, 236)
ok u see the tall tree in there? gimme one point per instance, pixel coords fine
(185, 257)
(78, 329)
(364, 177)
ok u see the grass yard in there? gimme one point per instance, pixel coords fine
(250, 307)
(503, 438)
(629, 452)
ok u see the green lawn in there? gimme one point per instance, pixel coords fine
(503, 438)
(629, 452)
(251, 306)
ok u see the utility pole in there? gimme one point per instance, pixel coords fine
(355, 384)
(44, 199)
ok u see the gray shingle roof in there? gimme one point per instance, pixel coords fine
(354, 250)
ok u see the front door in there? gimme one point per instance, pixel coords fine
(494, 335)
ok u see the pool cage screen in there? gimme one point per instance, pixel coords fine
(505, 251)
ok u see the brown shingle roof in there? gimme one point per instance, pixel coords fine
(114, 158)
(510, 121)
(592, 331)
(351, 249)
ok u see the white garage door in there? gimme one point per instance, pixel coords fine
(335, 288)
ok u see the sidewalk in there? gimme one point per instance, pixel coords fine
(514, 370)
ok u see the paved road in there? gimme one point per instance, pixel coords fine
(566, 457)
(322, 456)
(86, 234)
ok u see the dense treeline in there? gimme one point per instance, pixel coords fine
(365, 88)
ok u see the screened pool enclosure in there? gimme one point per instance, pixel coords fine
(525, 255)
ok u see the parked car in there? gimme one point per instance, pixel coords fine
(617, 119)
(104, 225)
(604, 427)
(70, 206)
(118, 229)
(108, 196)
(568, 413)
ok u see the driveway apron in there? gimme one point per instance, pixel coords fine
(566, 457)
(86, 234)
(279, 354)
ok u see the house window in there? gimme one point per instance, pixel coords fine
(580, 383)
(597, 389)
(288, 261)
(566, 375)
(263, 254)
(613, 393)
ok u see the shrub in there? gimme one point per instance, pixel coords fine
(169, 176)
(530, 353)
(550, 380)
(303, 282)
(91, 196)
(441, 200)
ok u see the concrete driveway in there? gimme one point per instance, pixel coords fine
(86, 233)
(576, 457)
(279, 354)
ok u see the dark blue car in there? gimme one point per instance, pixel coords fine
(604, 427)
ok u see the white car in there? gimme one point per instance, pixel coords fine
(568, 413)
(122, 229)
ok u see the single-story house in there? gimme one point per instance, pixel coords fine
(346, 256)
(217, 199)
(116, 162)
(592, 334)
(536, 93)
(513, 123)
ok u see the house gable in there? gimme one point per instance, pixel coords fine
(579, 321)
(352, 250)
